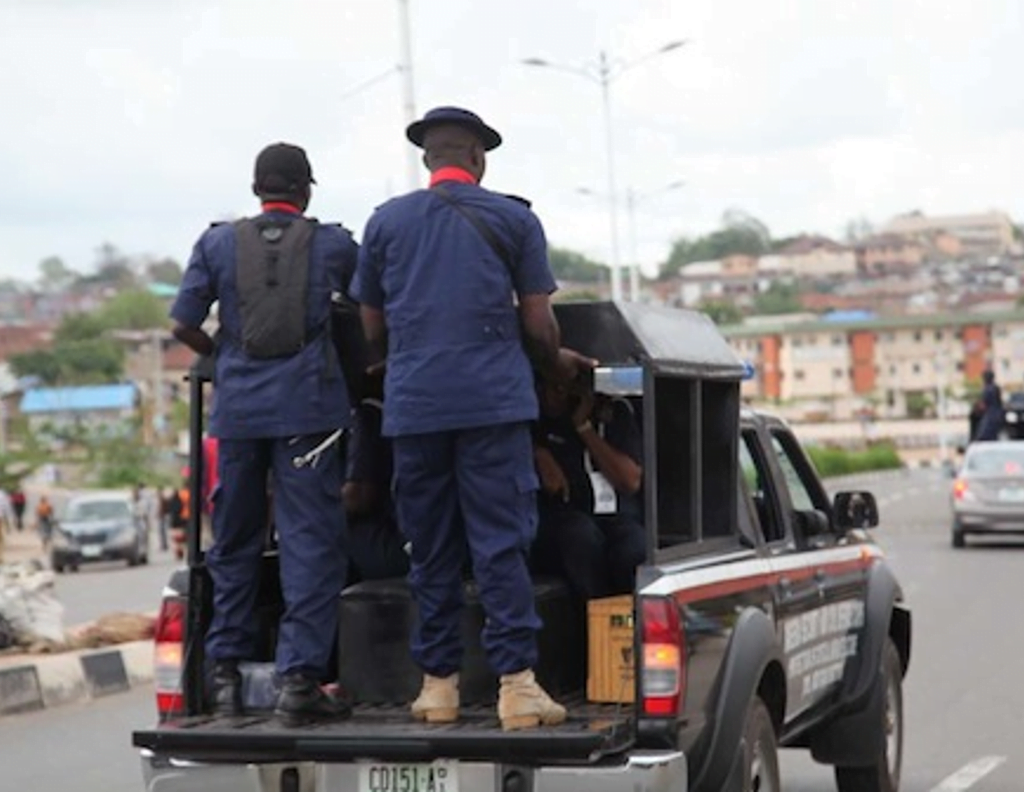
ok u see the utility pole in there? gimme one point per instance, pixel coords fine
(158, 387)
(408, 90)
(604, 75)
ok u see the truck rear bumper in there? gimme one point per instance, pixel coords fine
(650, 771)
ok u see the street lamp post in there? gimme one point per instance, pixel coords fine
(632, 199)
(605, 72)
(408, 92)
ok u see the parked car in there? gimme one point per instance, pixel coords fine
(1013, 422)
(99, 526)
(988, 491)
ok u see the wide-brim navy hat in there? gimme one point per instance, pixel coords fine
(453, 115)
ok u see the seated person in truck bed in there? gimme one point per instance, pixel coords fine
(588, 455)
(376, 546)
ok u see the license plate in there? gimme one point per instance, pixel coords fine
(1012, 495)
(440, 776)
(92, 551)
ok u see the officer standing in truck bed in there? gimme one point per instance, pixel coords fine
(279, 393)
(447, 277)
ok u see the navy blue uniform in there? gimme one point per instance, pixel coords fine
(459, 396)
(376, 547)
(598, 553)
(265, 413)
(993, 416)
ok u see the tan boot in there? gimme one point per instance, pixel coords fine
(523, 704)
(438, 701)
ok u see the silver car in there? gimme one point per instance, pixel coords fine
(988, 491)
(99, 526)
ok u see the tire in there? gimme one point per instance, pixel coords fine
(885, 775)
(58, 568)
(959, 540)
(760, 750)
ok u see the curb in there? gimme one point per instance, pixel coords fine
(72, 677)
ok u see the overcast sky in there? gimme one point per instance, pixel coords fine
(136, 122)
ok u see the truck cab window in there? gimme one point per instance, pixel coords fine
(755, 476)
(811, 508)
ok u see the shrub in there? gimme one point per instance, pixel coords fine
(832, 461)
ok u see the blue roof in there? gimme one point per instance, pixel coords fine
(162, 289)
(849, 316)
(78, 399)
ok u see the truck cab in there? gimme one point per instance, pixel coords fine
(764, 616)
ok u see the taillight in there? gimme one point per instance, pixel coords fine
(167, 661)
(960, 489)
(661, 681)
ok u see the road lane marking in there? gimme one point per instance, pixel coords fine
(970, 774)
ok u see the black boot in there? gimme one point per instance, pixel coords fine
(226, 689)
(301, 702)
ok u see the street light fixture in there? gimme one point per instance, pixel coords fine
(604, 73)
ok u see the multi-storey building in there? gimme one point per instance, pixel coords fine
(980, 235)
(885, 362)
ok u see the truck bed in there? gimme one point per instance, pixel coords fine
(389, 733)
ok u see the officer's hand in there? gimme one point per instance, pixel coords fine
(552, 477)
(571, 364)
(584, 408)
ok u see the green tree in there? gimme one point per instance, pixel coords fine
(54, 273)
(165, 270)
(91, 362)
(722, 312)
(568, 265)
(41, 363)
(740, 233)
(135, 309)
(113, 268)
(780, 298)
(79, 327)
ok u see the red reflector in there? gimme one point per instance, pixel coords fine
(170, 703)
(661, 706)
(661, 621)
(170, 624)
(664, 658)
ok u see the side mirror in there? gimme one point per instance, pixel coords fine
(855, 510)
(811, 522)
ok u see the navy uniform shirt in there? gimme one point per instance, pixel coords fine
(559, 435)
(455, 357)
(279, 397)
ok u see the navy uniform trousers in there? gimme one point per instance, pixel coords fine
(309, 519)
(472, 488)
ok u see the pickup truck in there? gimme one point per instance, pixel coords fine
(764, 617)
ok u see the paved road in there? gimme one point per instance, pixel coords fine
(97, 589)
(965, 705)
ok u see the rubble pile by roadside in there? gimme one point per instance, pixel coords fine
(32, 618)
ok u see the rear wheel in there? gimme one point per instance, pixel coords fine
(884, 776)
(958, 535)
(760, 750)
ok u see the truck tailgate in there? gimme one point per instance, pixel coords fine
(389, 733)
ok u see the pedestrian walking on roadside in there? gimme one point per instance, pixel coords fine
(280, 395)
(44, 521)
(18, 505)
(990, 409)
(454, 283)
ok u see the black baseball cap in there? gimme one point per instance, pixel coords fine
(282, 168)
